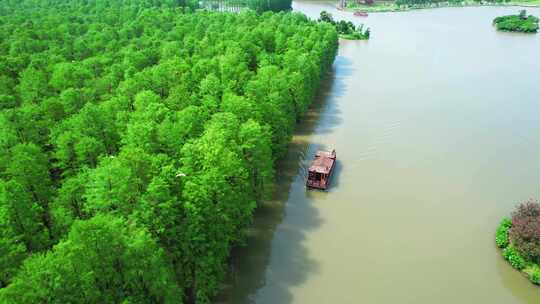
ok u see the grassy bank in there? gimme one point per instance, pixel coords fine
(354, 37)
(391, 6)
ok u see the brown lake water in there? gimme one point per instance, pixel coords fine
(436, 124)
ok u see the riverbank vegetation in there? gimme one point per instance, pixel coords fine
(519, 239)
(517, 23)
(346, 29)
(405, 5)
(137, 138)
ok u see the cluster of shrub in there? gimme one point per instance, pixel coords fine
(136, 139)
(517, 23)
(519, 238)
(346, 29)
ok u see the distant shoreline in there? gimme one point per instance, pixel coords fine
(391, 7)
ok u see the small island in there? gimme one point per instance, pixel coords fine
(519, 238)
(517, 23)
(346, 29)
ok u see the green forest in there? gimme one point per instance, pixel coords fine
(136, 139)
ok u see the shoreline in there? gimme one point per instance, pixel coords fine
(387, 8)
(528, 269)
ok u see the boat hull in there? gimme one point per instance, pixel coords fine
(321, 170)
(321, 186)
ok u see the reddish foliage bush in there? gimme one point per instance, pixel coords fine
(530, 208)
(525, 231)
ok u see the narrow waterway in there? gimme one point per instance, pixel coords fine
(436, 124)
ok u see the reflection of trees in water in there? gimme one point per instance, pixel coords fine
(238, 5)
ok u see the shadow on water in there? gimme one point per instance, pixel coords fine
(250, 273)
(332, 89)
(334, 183)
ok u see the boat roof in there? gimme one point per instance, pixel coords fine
(323, 162)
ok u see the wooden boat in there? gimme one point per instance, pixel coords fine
(360, 14)
(320, 170)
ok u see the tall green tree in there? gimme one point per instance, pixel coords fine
(22, 218)
(29, 167)
(217, 205)
(69, 204)
(32, 85)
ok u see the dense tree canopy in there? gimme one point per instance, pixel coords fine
(136, 139)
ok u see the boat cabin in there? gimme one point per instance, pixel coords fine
(320, 170)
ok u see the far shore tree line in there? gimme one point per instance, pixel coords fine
(439, 2)
(414, 3)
